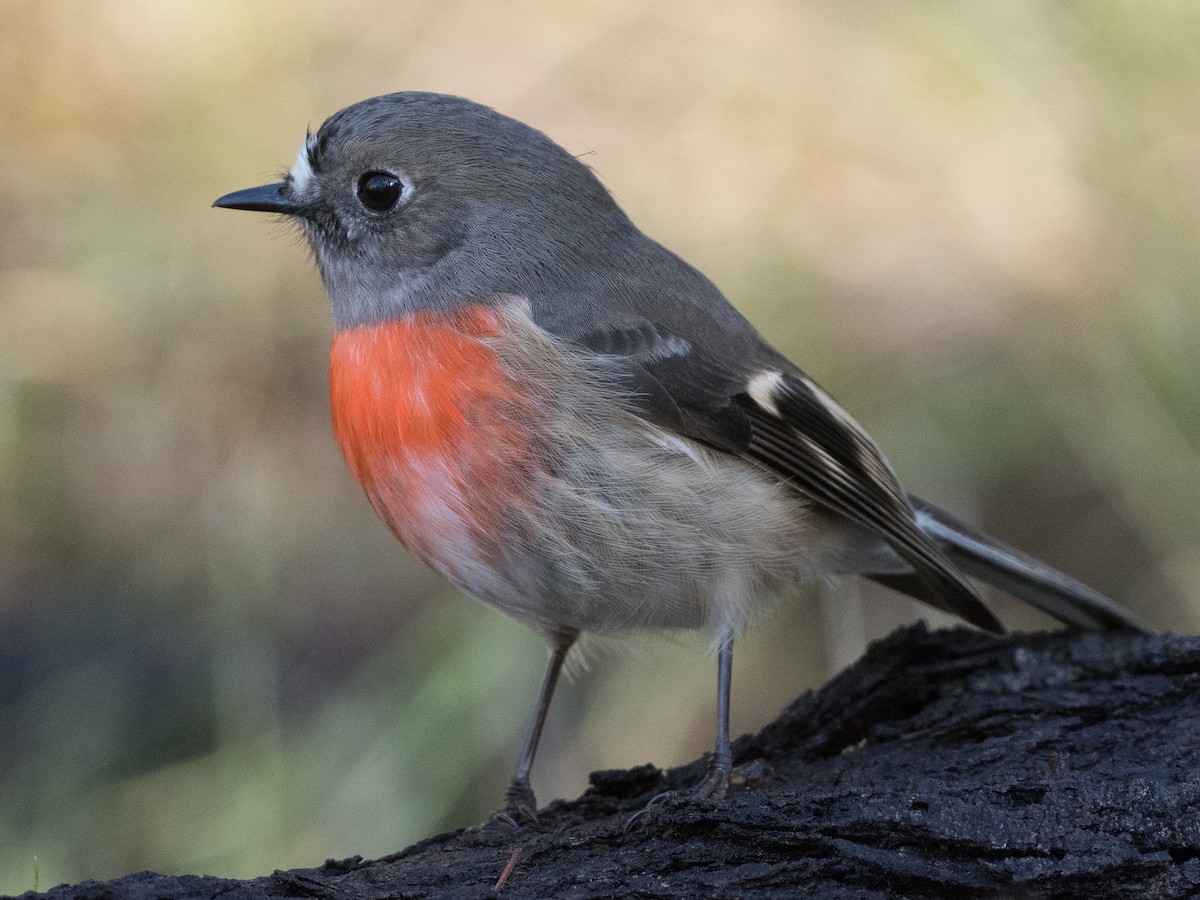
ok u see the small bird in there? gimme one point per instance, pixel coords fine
(571, 423)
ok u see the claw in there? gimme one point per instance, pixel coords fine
(656, 800)
(714, 786)
(519, 809)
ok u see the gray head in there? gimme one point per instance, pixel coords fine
(417, 200)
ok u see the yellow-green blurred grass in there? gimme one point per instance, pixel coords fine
(975, 223)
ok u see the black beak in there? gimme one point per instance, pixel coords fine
(268, 198)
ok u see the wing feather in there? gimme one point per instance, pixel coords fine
(791, 426)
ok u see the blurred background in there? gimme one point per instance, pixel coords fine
(975, 223)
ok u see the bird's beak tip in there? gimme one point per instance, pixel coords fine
(267, 198)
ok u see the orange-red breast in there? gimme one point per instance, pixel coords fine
(570, 422)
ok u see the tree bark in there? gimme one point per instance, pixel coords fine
(946, 764)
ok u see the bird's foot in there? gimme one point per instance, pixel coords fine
(519, 809)
(713, 788)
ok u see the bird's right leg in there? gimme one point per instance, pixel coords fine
(520, 805)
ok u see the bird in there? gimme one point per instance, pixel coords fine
(572, 424)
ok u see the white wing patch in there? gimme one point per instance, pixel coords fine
(766, 386)
(762, 390)
(869, 456)
(672, 345)
(831, 405)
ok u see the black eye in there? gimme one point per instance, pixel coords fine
(379, 191)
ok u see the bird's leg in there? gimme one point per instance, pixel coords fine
(519, 803)
(716, 782)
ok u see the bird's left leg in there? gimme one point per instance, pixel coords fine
(716, 782)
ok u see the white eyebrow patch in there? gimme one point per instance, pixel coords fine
(302, 173)
(762, 390)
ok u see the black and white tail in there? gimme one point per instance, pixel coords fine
(981, 556)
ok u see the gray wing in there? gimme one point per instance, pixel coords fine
(695, 366)
(779, 418)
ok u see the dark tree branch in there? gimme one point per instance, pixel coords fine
(950, 764)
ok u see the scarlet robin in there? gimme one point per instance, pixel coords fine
(571, 423)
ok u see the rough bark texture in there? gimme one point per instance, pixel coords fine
(950, 764)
